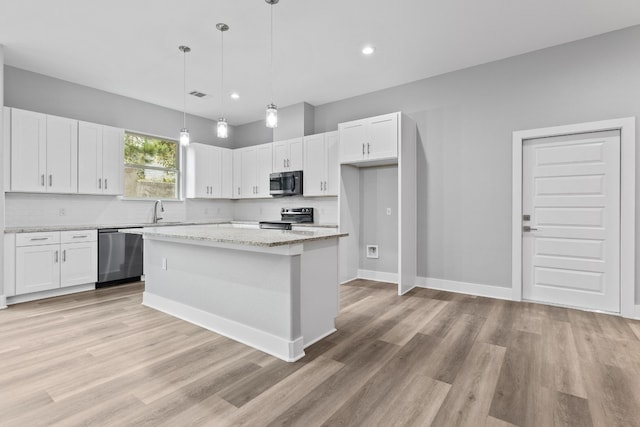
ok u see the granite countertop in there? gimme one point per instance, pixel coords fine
(237, 235)
(45, 228)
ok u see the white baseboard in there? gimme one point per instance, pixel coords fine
(378, 276)
(284, 349)
(3, 302)
(465, 288)
(50, 293)
(637, 314)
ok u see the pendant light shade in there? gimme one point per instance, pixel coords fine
(271, 118)
(222, 128)
(184, 132)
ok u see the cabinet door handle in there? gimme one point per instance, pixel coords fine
(42, 180)
(55, 259)
(64, 255)
(363, 149)
(368, 147)
(284, 163)
(106, 184)
(288, 163)
(325, 186)
(99, 183)
(238, 191)
(50, 180)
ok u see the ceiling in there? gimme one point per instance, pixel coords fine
(131, 47)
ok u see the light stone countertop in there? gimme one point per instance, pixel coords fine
(227, 233)
(46, 228)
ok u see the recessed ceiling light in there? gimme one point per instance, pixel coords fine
(368, 50)
(235, 95)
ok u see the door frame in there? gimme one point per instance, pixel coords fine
(627, 128)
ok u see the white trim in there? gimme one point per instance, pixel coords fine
(378, 276)
(348, 280)
(321, 337)
(3, 302)
(465, 288)
(637, 316)
(287, 350)
(627, 127)
(50, 293)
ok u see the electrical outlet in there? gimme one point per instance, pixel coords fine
(372, 251)
(62, 212)
(388, 211)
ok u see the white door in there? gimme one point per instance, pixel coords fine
(264, 169)
(112, 160)
(571, 190)
(237, 174)
(332, 155)
(37, 268)
(227, 174)
(249, 165)
(314, 165)
(62, 155)
(215, 172)
(89, 158)
(383, 137)
(28, 151)
(352, 141)
(280, 156)
(78, 263)
(296, 151)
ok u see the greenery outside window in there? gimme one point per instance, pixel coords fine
(151, 167)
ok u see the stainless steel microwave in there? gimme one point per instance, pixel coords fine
(285, 183)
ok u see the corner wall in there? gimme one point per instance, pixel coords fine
(3, 300)
(465, 122)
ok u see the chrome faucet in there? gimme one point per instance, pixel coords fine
(157, 218)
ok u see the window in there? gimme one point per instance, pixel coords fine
(151, 167)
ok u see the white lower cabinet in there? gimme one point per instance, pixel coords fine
(51, 260)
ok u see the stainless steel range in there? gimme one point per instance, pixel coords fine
(288, 217)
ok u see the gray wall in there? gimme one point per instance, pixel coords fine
(37, 92)
(253, 133)
(379, 191)
(465, 121)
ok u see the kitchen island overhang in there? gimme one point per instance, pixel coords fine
(274, 290)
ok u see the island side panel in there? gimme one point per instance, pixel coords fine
(244, 295)
(320, 302)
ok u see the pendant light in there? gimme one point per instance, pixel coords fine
(184, 132)
(272, 110)
(223, 128)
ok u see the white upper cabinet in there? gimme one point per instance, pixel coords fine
(100, 159)
(44, 153)
(255, 168)
(227, 173)
(207, 175)
(28, 151)
(288, 155)
(237, 174)
(371, 141)
(321, 167)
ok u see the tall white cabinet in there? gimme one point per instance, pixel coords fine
(255, 168)
(100, 159)
(321, 164)
(385, 141)
(44, 153)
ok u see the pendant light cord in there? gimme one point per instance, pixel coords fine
(271, 49)
(221, 73)
(184, 89)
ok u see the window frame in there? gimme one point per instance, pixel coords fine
(179, 166)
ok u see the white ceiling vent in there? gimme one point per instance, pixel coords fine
(198, 94)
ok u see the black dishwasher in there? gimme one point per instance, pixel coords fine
(119, 257)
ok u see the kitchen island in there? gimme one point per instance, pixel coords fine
(275, 290)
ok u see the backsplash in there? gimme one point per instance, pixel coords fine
(60, 209)
(24, 209)
(325, 208)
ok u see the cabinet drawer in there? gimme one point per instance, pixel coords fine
(78, 236)
(38, 238)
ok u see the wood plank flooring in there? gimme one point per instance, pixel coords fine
(427, 358)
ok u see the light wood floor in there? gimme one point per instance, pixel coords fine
(429, 358)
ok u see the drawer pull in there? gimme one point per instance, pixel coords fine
(34, 239)
(80, 236)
